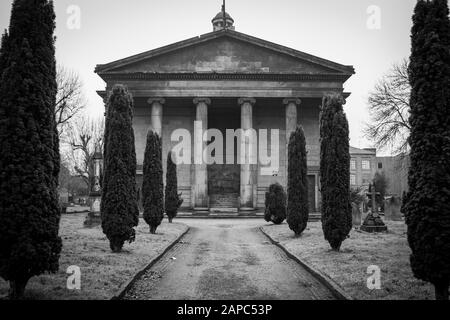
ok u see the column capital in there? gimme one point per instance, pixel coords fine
(296, 101)
(241, 101)
(200, 100)
(156, 100)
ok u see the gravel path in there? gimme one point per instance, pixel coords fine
(226, 259)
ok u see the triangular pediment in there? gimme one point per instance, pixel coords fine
(224, 52)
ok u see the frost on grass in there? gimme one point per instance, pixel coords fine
(102, 272)
(348, 268)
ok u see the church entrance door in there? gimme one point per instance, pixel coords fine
(224, 179)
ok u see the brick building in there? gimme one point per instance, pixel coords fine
(227, 80)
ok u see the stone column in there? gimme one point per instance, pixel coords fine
(247, 179)
(201, 173)
(291, 124)
(157, 114)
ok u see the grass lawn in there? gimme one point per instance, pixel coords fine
(102, 272)
(348, 268)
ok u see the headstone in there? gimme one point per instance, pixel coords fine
(356, 215)
(93, 218)
(387, 208)
(392, 207)
(373, 222)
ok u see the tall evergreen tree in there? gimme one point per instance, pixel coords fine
(152, 186)
(297, 197)
(427, 204)
(335, 171)
(173, 200)
(119, 210)
(3, 52)
(29, 157)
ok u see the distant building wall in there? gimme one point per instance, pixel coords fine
(362, 166)
(396, 171)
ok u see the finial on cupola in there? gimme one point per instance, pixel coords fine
(223, 20)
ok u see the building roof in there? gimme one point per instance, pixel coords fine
(340, 71)
(366, 151)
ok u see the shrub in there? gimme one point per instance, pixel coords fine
(119, 210)
(152, 186)
(275, 204)
(335, 172)
(173, 200)
(427, 204)
(29, 147)
(298, 206)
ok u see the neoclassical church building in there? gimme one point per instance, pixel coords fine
(227, 80)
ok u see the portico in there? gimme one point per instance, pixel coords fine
(227, 80)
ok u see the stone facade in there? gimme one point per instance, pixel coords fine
(227, 80)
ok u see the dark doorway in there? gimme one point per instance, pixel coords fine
(224, 179)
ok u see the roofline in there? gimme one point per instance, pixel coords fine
(103, 94)
(103, 68)
(288, 77)
(363, 151)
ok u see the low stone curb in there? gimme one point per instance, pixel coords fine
(324, 279)
(125, 287)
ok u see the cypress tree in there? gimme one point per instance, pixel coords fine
(427, 203)
(152, 186)
(3, 52)
(119, 210)
(275, 204)
(173, 200)
(298, 206)
(335, 171)
(29, 157)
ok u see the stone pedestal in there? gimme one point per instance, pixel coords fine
(247, 179)
(201, 203)
(94, 219)
(373, 223)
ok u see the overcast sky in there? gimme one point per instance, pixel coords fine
(344, 31)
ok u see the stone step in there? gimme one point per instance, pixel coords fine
(314, 217)
(223, 201)
(229, 210)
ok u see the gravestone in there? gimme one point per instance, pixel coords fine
(356, 215)
(392, 207)
(373, 222)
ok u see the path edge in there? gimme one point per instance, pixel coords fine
(127, 285)
(323, 278)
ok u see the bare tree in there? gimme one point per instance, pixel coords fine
(389, 110)
(84, 137)
(69, 97)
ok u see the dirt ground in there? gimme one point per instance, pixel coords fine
(227, 259)
(102, 272)
(348, 268)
